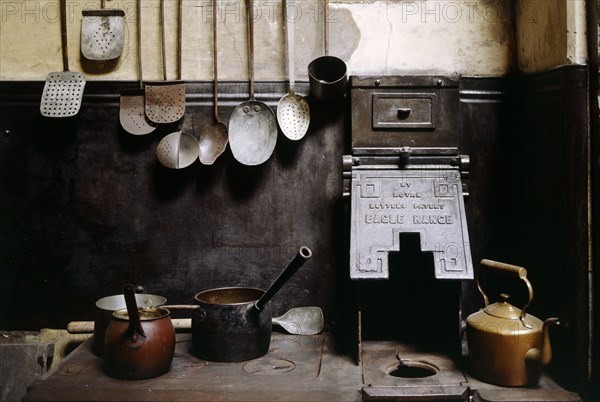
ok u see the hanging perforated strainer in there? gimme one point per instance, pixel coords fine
(165, 100)
(63, 90)
(131, 112)
(293, 113)
(102, 33)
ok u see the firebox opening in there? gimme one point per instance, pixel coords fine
(412, 369)
(412, 306)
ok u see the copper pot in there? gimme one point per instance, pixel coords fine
(106, 306)
(139, 342)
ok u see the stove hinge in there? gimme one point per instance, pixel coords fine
(405, 158)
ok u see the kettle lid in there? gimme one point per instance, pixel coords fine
(503, 309)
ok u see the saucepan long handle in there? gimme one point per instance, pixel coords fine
(303, 254)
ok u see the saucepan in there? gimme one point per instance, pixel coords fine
(233, 324)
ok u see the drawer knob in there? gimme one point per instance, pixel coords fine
(403, 112)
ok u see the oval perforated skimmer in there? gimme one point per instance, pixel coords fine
(293, 113)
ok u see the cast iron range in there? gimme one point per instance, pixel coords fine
(405, 174)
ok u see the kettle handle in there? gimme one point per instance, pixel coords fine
(134, 337)
(508, 269)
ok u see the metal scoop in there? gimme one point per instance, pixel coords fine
(131, 112)
(102, 33)
(213, 136)
(63, 91)
(177, 150)
(252, 124)
(293, 113)
(301, 320)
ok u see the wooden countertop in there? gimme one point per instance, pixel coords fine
(297, 368)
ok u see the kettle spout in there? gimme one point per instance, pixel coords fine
(544, 356)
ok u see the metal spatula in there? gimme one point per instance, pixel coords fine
(102, 33)
(165, 100)
(63, 90)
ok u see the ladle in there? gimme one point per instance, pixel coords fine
(293, 113)
(252, 124)
(213, 136)
(178, 150)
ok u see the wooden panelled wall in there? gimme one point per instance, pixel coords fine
(85, 207)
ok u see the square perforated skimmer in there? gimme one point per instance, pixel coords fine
(63, 93)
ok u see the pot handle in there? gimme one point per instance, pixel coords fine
(197, 311)
(507, 269)
(134, 337)
(303, 254)
(181, 307)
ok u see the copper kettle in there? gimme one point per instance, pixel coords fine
(507, 346)
(139, 342)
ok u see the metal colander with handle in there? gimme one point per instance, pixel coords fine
(63, 90)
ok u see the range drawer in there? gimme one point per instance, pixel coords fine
(404, 110)
(412, 111)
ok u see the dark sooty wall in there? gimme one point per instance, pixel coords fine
(86, 207)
